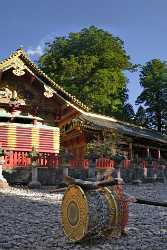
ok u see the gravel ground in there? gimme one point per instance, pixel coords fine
(31, 220)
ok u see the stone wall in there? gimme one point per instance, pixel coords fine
(54, 176)
(47, 176)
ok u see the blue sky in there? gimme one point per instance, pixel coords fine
(142, 24)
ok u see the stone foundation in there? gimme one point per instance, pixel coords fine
(54, 176)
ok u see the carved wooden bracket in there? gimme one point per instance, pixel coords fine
(19, 67)
(48, 92)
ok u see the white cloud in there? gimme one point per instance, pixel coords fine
(38, 51)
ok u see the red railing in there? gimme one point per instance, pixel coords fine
(79, 164)
(100, 163)
(16, 159)
(49, 160)
(104, 163)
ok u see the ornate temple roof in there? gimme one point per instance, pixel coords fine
(101, 122)
(20, 61)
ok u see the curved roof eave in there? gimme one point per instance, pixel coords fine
(23, 56)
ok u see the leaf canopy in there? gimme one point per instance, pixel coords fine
(153, 79)
(90, 64)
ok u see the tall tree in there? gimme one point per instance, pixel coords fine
(141, 118)
(128, 113)
(153, 79)
(90, 64)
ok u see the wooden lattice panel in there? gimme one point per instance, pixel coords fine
(22, 137)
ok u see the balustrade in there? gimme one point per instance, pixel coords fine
(19, 159)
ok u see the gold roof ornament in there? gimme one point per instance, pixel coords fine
(19, 67)
(19, 61)
(48, 91)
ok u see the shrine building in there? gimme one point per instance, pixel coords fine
(35, 111)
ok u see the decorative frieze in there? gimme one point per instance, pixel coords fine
(19, 67)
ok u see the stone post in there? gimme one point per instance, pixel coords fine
(150, 171)
(92, 170)
(34, 183)
(98, 175)
(118, 168)
(65, 170)
(67, 156)
(119, 172)
(3, 181)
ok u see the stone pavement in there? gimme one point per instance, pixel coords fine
(30, 219)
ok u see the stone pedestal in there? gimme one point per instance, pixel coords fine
(98, 175)
(3, 181)
(34, 182)
(118, 169)
(65, 171)
(138, 175)
(150, 174)
(162, 175)
(92, 171)
(119, 173)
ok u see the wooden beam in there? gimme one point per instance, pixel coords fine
(1, 75)
(67, 118)
(130, 151)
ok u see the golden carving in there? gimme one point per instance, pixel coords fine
(48, 91)
(5, 93)
(19, 67)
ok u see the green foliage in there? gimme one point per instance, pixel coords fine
(127, 113)
(104, 148)
(153, 79)
(90, 64)
(141, 117)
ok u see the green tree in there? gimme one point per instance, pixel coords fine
(153, 79)
(141, 118)
(106, 147)
(128, 113)
(90, 64)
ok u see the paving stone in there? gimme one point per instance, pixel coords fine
(30, 219)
